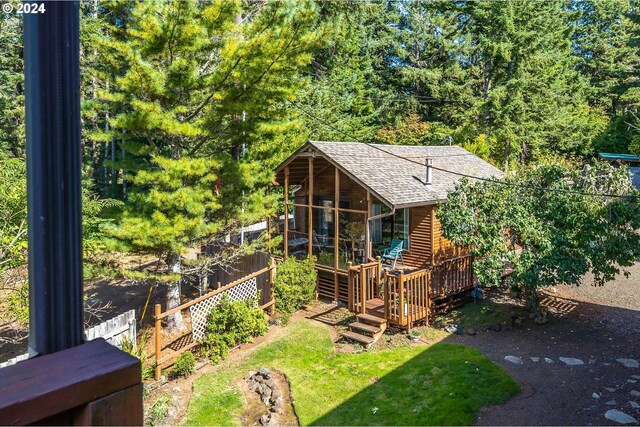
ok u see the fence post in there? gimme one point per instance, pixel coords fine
(272, 269)
(158, 310)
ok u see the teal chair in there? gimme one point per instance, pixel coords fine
(394, 251)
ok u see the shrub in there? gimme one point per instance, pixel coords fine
(295, 285)
(184, 365)
(137, 350)
(231, 323)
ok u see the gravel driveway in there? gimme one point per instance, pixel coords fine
(596, 332)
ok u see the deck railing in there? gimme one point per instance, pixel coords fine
(364, 285)
(452, 276)
(406, 297)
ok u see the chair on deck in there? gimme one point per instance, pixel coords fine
(394, 251)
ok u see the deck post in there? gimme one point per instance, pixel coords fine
(158, 337)
(433, 239)
(350, 287)
(387, 295)
(367, 230)
(363, 290)
(310, 197)
(401, 291)
(336, 232)
(286, 212)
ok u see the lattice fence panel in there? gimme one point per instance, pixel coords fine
(200, 311)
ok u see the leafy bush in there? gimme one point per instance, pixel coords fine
(295, 285)
(232, 323)
(158, 410)
(184, 365)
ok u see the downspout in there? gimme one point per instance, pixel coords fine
(368, 229)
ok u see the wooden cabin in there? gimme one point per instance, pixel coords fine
(347, 202)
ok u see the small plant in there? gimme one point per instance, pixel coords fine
(158, 410)
(184, 365)
(295, 285)
(136, 349)
(232, 323)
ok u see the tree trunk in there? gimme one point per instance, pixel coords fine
(174, 322)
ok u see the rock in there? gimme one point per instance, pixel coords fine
(275, 394)
(541, 316)
(278, 406)
(571, 361)
(495, 327)
(595, 395)
(172, 412)
(634, 405)
(264, 420)
(517, 321)
(611, 402)
(637, 377)
(635, 393)
(514, 359)
(629, 363)
(610, 389)
(535, 359)
(264, 372)
(619, 417)
(176, 390)
(632, 381)
(471, 331)
(547, 360)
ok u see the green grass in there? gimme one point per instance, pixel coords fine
(478, 315)
(442, 384)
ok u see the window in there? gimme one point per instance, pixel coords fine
(376, 224)
(401, 226)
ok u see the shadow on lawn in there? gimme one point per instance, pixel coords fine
(446, 384)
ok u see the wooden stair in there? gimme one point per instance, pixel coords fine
(366, 330)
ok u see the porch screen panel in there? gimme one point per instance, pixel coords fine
(376, 225)
(401, 226)
(352, 238)
(323, 235)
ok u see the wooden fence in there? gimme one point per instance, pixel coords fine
(200, 307)
(114, 331)
(243, 266)
(364, 284)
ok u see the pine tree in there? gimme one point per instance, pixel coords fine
(193, 84)
(11, 86)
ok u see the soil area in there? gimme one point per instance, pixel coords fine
(598, 326)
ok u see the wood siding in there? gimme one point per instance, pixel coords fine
(443, 248)
(420, 244)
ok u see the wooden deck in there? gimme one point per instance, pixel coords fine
(375, 307)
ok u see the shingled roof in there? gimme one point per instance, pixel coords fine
(385, 171)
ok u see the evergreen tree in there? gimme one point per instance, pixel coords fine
(195, 81)
(11, 87)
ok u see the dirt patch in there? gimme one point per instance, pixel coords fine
(255, 409)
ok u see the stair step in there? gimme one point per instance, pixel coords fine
(363, 339)
(371, 320)
(357, 326)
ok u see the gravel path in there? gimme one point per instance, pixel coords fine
(590, 329)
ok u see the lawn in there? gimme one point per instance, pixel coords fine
(442, 384)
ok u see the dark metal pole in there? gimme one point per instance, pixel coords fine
(52, 98)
